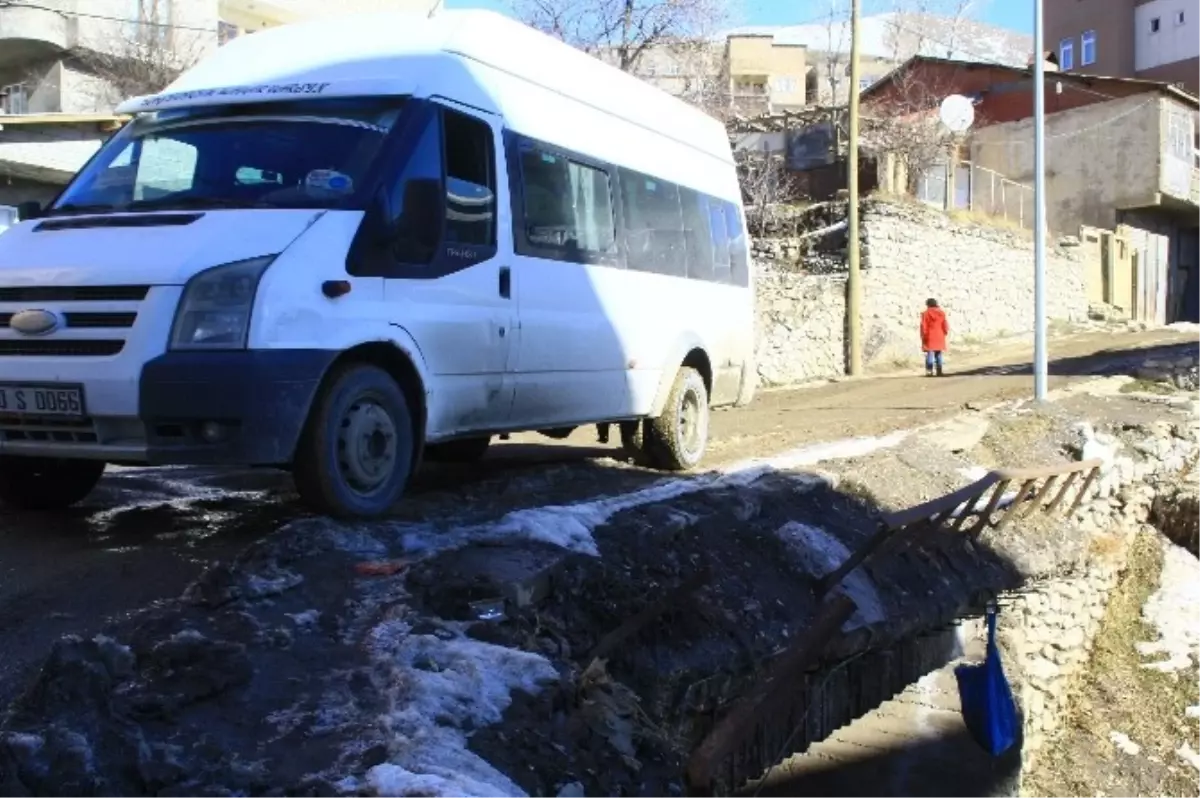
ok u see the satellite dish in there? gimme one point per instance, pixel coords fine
(957, 113)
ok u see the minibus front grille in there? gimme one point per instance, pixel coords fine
(47, 430)
(89, 321)
(79, 293)
(59, 347)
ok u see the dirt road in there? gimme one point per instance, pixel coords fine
(146, 533)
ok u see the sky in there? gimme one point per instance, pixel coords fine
(1014, 14)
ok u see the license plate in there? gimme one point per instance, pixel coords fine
(42, 400)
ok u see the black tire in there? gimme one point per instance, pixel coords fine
(676, 440)
(46, 483)
(356, 454)
(463, 450)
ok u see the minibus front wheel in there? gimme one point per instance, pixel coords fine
(356, 453)
(46, 483)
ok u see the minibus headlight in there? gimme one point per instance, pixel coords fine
(214, 312)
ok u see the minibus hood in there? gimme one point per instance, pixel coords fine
(161, 248)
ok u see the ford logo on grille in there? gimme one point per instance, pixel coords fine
(34, 322)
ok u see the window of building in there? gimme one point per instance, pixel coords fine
(470, 181)
(1178, 18)
(783, 85)
(1066, 54)
(568, 206)
(1087, 48)
(14, 99)
(1180, 136)
(1155, 24)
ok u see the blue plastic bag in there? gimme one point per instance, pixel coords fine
(987, 701)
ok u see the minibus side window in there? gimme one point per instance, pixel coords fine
(720, 240)
(696, 235)
(567, 213)
(470, 181)
(739, 260)
(653, 224)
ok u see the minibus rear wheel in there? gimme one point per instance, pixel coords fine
(677, 440)
(46, 483)
(356, 453)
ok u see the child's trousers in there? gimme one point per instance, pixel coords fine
(933, 360)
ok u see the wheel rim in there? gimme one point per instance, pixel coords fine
(693, 425)
(366, 446)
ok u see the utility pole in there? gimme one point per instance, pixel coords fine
(854, 278)
(1039, 206)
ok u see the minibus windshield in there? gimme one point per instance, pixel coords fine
(308, 154)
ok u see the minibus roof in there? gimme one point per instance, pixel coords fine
(399, 53)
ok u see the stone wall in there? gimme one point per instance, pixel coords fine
(1047, 629)
(982, 276)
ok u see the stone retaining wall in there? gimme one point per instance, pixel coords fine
(982, 276)
(1047, 629)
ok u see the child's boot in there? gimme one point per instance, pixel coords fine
(939, 369)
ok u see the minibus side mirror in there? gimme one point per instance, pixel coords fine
(31, 209)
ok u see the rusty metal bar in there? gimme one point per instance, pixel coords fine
(856, 558)
(1038, 502)
(1062, 492)
(637, 623)
(937, 512)
(767, 697)
(1022, 493)
(1083, 489)
(985, 517)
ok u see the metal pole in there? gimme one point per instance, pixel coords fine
(854, 277)
(1039, 206)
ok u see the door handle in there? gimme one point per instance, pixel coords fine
(505, 282)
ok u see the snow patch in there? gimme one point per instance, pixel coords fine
(442, 688)
(1124, 744)
(570, 526)
(1190, 757)
(820, 553)
(1172, 612)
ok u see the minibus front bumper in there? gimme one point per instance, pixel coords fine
(228, 408)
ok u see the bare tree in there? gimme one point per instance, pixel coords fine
(145, 56)
(698, 76)
(905, 125)
(930, 27)
(622, 31)
(766, 186)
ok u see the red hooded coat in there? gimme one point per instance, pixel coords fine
(933, 330)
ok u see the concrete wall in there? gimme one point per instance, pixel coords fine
(982, 277)
(14, 191)
(1100, 158)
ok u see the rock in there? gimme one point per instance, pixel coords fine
(959, 434)
(572, 789)
(1041, 669)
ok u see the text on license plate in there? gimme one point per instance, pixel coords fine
(41, 400)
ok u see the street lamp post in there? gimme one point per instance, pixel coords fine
(1039, 206)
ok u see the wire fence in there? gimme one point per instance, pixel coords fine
(979, 190)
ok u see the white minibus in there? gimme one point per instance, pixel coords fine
(347, 246)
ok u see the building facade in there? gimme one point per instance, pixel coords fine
(1150, 39)
(85, 56)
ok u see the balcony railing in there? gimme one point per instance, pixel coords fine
(1194, 188)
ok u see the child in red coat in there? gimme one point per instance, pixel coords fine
(933, 336)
